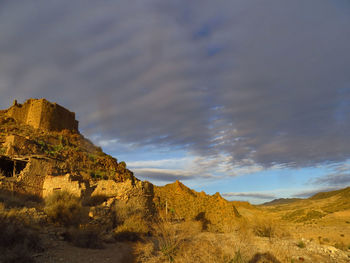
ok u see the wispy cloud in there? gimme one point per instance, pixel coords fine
(341, 180)
(339, 177)
(167, 175)
(311, 192)
(255, 195)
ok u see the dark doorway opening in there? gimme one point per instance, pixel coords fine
(11, 167)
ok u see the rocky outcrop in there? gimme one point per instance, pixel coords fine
(179, 202)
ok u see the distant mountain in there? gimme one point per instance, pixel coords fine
(281, 201)
(341, 193)
(321, 206)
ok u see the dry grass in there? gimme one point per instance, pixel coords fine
(269, 228)
(204, 249)
(18, 241)
(130, 221)
(64, 208)
(171, 237)
(15, 200)
(132, 229)
(85, 237)
(185, 243)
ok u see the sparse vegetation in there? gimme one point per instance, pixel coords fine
(16, 200)
(268, 228)
(85, 237)
(64, 208)
(301, 244)
(130, 220)
(18, 241)
(169, 238)
(311, 215)
(2, 150)
(340, 245)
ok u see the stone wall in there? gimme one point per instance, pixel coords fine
(62, 183)
(42, 114)
(31, 179)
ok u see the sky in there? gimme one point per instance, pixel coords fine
(247, 98)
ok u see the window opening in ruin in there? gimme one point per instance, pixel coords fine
(10, 167)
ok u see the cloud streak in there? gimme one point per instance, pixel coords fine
(255, 195)
(167, 175)
(311, 192)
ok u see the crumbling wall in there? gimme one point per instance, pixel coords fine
(19, 112)
(107, 188)
(42, 114)
(34, 113)
(62, 183)
(11, 167)
(18, 145)
(31, 179)
(56, 118)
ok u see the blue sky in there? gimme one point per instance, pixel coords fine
(247, 98)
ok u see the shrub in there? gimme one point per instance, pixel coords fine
(132, 228)
(301, 244)
(17, 200)
(264, 228)
(17, 241)
(125, 209)
(264, 257)
(269, 228)
(204, 250)
(340, 245)
(121, 167)
(171, 237)
(86, 237)
(169, 240)
(130, 220)
(64, 208)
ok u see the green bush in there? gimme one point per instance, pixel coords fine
(64, 208)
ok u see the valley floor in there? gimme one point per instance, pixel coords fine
(196, 246)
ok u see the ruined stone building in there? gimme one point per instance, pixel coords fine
(42, 114)
(44, 158)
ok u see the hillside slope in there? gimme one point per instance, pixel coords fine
(180, 202)
(321, 205)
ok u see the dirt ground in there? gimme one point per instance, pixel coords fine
(286, 250)
(62, 251)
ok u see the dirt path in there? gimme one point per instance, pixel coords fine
(61, 251)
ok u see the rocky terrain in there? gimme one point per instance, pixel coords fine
(62, 199)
